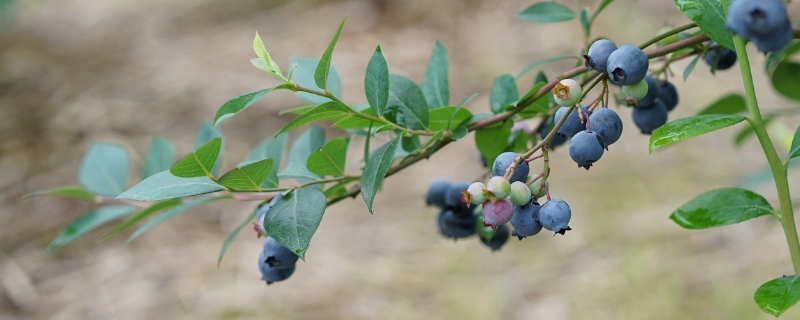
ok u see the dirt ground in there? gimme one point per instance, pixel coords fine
(76, 71)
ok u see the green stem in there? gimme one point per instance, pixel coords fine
(667, 35)
(775, 164)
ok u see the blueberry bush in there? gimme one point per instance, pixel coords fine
(415, 120)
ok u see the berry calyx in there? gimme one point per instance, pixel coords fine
(475, 194)
(498, 187)
(567, 92)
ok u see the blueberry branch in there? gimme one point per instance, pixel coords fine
(776, 166)
(667, 35)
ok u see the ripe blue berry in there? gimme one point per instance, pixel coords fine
(270, 274)
(455, 226)
(627, 65)
(573, 123)
(668, 95)
(276, 255)
(545, 128)
(504, 160)
(652, 92)
(764, 22)
(585, 148)
(499, 239)
(775, 41)
(436, 193)
(526, 220)
(721, 59)
(554, 216)
(607, 124)
(597, 57)
(649, 119)
(454, 195)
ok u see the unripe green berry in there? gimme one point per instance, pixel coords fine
(536, 188)
(475, 194)
(668, 40)
(567, 92)
(499, 187)
(635, 92)
(520, 194)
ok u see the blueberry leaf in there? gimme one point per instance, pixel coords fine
(159, 157)
(139, 216)
(295, 218)
(690, 67)
(376, 81)
(546, 12)
(164, 185)
(794, 151)
(73, 192)
(173, 212)
(324, 65)
(730, 104)
(330, 160)
(104, 169)
(375, 171)
(710, 17)
(233, 235)
(786, 79)
(721, 207)
(239, 103)
(331, 109)
(690, 127)
(778, 295)
(264, 60)
(206, 133)
(455, 116)
(407, 102)
(248, 176)
(270, 148)
(504, 93)
(199, 162)
(436, 83)
(309, 141)
(89, 222)
(304, 76)
(354, 122)
(491, 141)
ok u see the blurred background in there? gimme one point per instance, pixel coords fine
(76, 71)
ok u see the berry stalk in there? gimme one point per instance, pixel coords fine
(774, 160)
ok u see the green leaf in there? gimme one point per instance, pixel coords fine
(486, 139)
(264, 61)
(376, 81)
(296, 111)
(794, 151)
(540, 77)
(585, 23)
(248, 177)
(355, 122)
(710, 17)
(410, 144)
(537, 63)
(330, 160)
(455, 116)
(173, 212)
(233, 235)
(436, 83)
(311, 140)
(730, 104)
(159, 157)
(199, 162)
(295, 218)
(778, 295)
(205, 134)
(73, 192)
(686, 128)
(546, 12)
(539, 106)
(433, 139)
(89, 222)
(104, 170)
(164, 185)
(324, 65)
(721, 207)
(154, 208)
(776, 57)
(324, 111)
(407, 101)
(690, 67)
(459, 132)
(504, 93)
(304, 76)
(239, 103)
(786, 79)
(375, 171)
(270, 148)
(600, 8)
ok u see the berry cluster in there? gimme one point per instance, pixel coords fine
(276, 262)
(763, 22)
